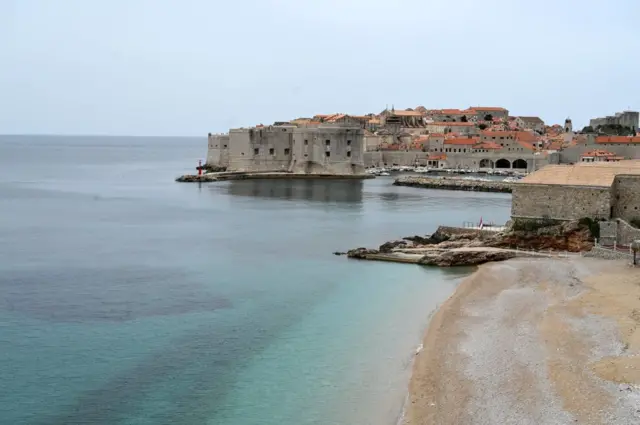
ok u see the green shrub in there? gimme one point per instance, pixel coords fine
(594, 227)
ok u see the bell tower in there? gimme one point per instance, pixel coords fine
(568, 126)
(568, 131)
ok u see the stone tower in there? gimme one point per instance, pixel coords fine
(568, 131)
(568, 127)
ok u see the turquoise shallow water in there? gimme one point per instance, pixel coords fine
(130, 299)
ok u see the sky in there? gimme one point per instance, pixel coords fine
(190, 67)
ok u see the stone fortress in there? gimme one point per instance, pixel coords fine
(334, 148)
(624, 119)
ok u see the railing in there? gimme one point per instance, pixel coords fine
(548, 254)
(490, 226)
(623, 249)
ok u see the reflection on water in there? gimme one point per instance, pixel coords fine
(333, 191)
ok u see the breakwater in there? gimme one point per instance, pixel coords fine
(447, 183)
(224, 176)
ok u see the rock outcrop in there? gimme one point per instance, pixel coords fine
(569, 236)
(465, 258)
(450, 246)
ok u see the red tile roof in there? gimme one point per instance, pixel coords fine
(526, 145)
(598, 153)
(437, 157)
(487, 145)
(618, 139)
(526, 136)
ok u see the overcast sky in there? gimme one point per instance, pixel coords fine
(188, 67)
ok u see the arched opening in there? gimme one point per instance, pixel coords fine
(503, 163)
(486, 163)
(520, 164)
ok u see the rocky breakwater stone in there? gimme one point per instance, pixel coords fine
(453, 258)
(191, 178)
(361, 253)
(446, 183)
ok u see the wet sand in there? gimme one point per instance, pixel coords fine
(533, 341)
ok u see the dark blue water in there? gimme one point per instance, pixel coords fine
(126, 298)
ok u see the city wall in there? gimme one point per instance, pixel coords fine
(560, 202)
(571, 155)
(454, 160)
(626, 190)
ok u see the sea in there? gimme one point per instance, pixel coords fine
(129, 299)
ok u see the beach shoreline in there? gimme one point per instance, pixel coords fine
(532, 341)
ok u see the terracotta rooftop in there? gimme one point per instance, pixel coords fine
(598, 153)
(487, 145)
(437, 157)
(526, 145)
(526, 136)
(597, 174)
(618, 139)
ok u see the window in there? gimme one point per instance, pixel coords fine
(256, 151)
(327, 154)
(348, 142)
(286, 151)
(306, 142)
(224, 146)
(348, 153)
(305, 155)
(271, 151)
(327, 142)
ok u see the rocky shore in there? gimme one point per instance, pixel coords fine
(453, 183)
(452, 246)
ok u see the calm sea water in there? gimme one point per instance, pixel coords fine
(126, 298)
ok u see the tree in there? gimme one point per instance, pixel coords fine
(482, 126)
(587, 129)
(463, 119)
(488, 117)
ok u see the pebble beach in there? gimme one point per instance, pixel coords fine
(533, 341)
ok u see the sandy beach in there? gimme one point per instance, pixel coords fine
(533, 341)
